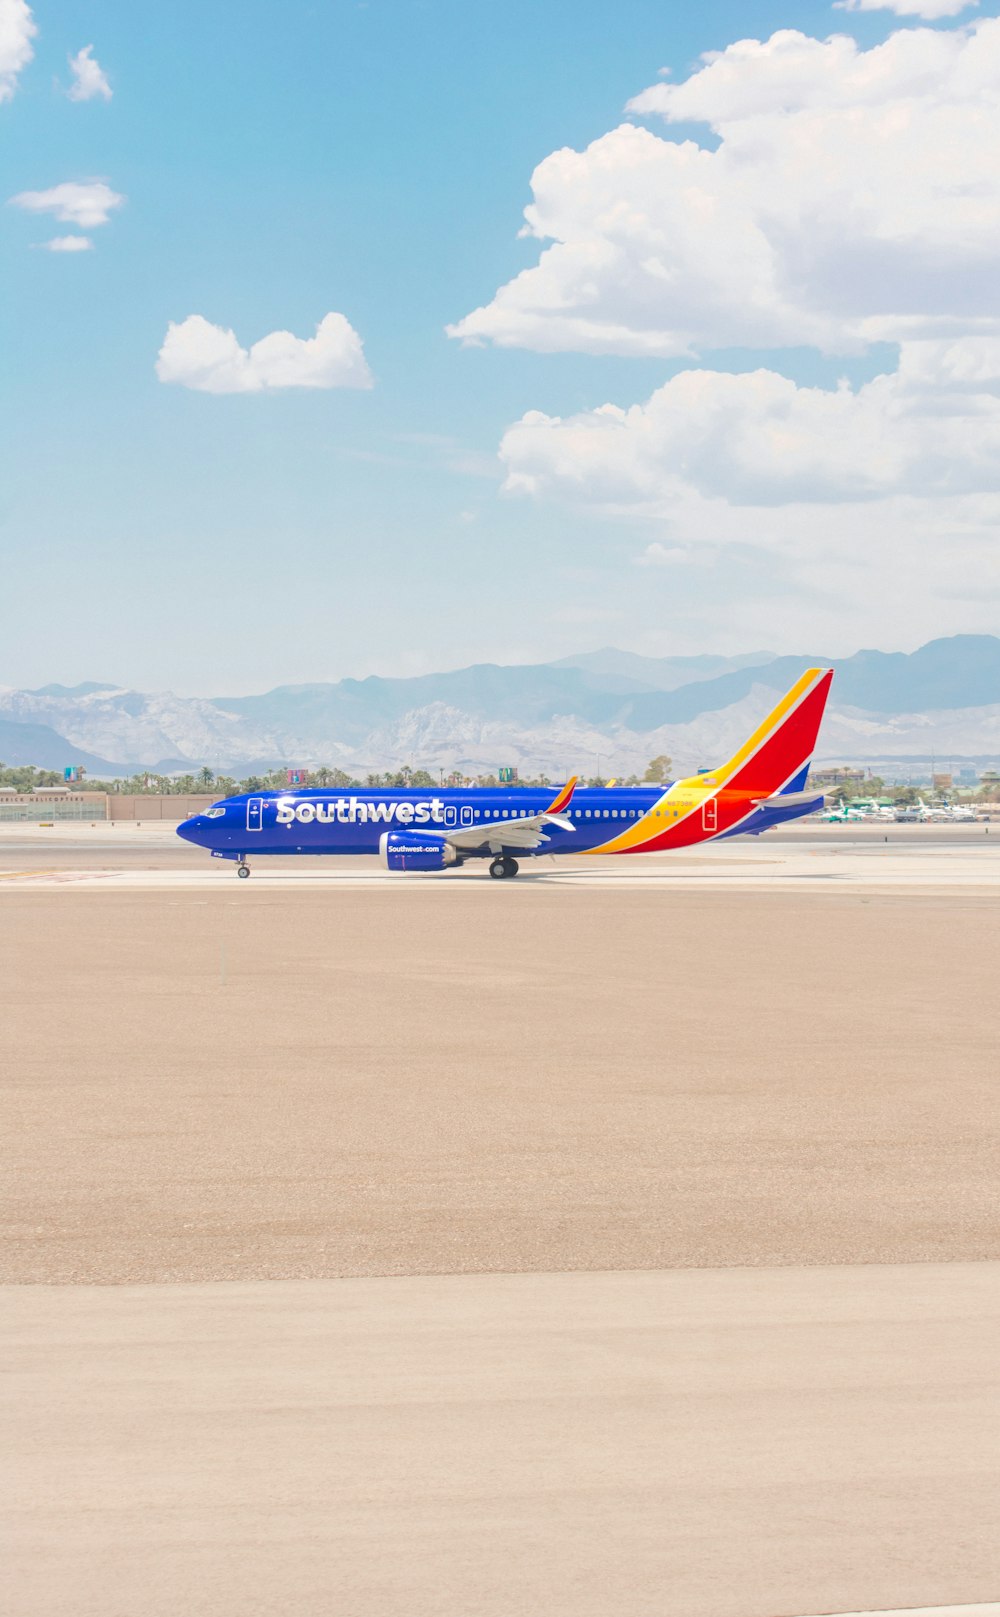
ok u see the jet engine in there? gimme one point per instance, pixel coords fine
(408, 850)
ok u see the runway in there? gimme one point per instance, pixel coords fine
(588, 1242)
(246, 1082)
(151, 856)
(734, 1443)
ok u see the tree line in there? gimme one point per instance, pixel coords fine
(25, 778)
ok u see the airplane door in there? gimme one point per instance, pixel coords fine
(709, 814)
(255, 814)
(466, 815)
(450, 814)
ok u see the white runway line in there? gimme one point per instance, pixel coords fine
(818, 873)
(992, 1609)
(810, 866)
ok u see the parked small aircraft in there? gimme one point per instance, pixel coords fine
(842, 814)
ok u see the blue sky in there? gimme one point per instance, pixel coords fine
(280, 163)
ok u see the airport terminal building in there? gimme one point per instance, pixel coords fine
(50, 803)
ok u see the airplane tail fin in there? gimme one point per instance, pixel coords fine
(776, 757)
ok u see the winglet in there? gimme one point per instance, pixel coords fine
(561, 801)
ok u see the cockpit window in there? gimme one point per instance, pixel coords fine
(214, 813)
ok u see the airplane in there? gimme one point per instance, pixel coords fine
(934, 811)
(842, 814)
(922, 812)
(872, 809)
(412, 829)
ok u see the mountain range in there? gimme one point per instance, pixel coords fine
(607, 710)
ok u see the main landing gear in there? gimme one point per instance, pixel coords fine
(502, 867)
(242, 868)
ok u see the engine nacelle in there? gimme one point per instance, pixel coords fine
(408, 850)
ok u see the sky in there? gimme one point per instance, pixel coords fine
(294, 388)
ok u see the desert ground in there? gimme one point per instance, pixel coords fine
(624, 1237)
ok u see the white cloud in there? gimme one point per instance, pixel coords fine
(847, 503)
(89, 78)
(853, 194)
(929, 10)
(208, 358)
(17, 30)
(930, 430)
(86, 203)
(67, 244)
(657, 555)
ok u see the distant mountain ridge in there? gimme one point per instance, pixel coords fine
(609, 705)
(42, 747)
(662, 673)
(963, 671)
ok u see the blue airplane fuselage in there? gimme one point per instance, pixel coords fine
(354, 820)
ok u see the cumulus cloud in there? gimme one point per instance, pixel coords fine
(831, 506)
(849, 196)
(853, 194)
(931, 429)
(929, 10)
(208, 358)
(17, 30)
(67, 244)
(89, 78)
(808, 508)
(86, 203)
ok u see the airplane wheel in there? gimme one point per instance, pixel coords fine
(511, 865)
(498, 869)
(243, 870)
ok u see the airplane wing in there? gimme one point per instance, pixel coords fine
(527, 831)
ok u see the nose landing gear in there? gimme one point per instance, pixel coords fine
(242, 868)
(502, 867)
